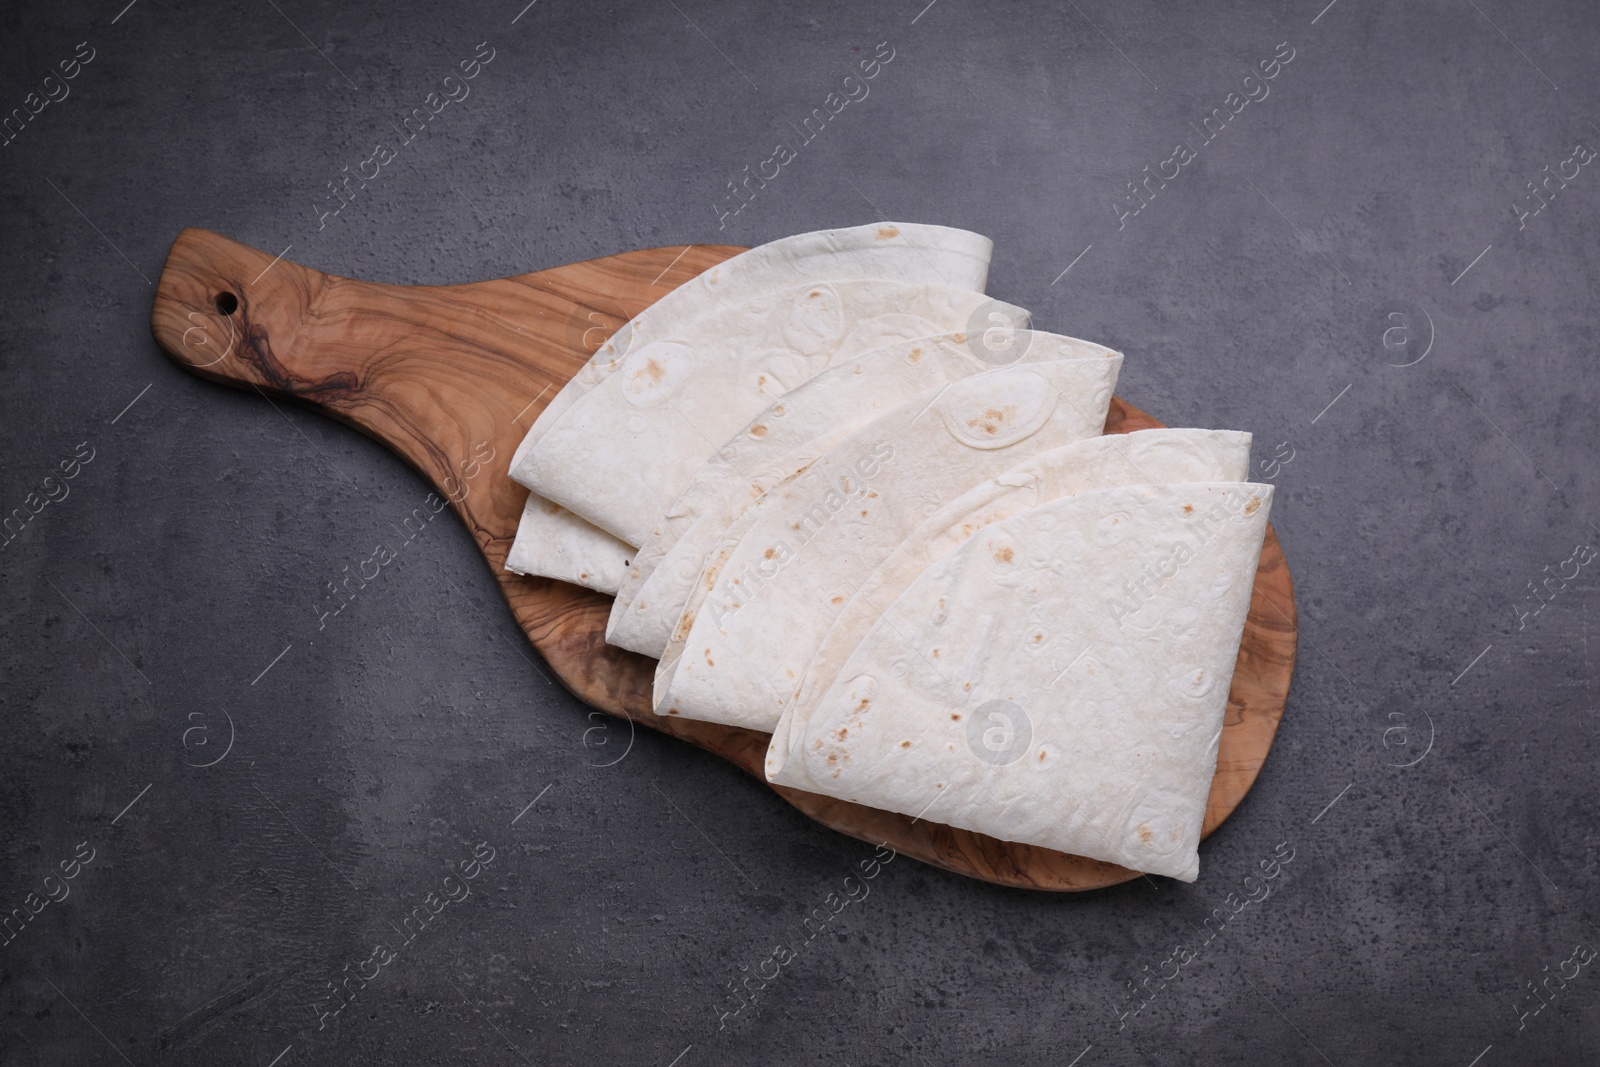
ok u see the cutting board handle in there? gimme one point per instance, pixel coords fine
(230, 313)
(450, 376)
(406, 364)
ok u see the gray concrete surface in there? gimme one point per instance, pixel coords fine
(1383, 175)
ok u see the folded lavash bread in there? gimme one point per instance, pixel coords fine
(777, 443)
(907, 252)
(1143, 457)
(624, 451)
(1060, 679)
(555, 542)
(766, 596)
(552, 542)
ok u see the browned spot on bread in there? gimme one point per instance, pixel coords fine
(955, 718)
(709, 661)
(1005, 555)
(1144, 833)
(836, 599)
(1254, 506)
(758, 430)
(905, 744)
(886, 233)
(993, 420)
(1188, 509)
(915, 356)
(769, 553)
(842, 732)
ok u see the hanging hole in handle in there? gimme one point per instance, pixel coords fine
(226, 303)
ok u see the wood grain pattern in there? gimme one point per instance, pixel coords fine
(445, 375)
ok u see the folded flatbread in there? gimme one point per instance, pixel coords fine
(1060, 679)
(906, 252)
(777, 444)
(552, 542)
(1144, 457)
(624, 451)
(766, 596)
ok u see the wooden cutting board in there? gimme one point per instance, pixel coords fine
(449, 375)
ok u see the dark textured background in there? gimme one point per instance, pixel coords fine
(141, 610)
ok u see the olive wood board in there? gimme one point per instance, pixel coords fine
(447, 375)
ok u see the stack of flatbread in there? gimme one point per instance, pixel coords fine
(847, 499)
